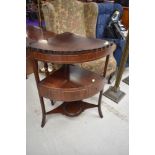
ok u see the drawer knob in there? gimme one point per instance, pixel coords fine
(93, 80)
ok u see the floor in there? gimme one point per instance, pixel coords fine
(86, 134)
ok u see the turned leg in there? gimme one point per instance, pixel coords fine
(52, 102)
(99, 104)
(37, 78)
(43, 112)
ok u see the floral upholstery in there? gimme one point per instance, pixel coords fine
(79, 18)
(71, 16)
(97, 66)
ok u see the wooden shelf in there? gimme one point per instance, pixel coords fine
(72, 109)
(71, 83)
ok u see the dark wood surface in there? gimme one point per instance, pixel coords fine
(125, 17)
(72, 109)
(69, 43)
(70, 83)
(29, 65)
(68, 48)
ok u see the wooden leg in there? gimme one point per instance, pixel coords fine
(52, 102)
(43, 112)
(106, 66)
(46, 69)
(99, 104)
(37, 78)
(43, 121)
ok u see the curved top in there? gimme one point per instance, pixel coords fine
(69, 43)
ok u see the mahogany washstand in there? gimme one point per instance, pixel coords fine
(70, 83)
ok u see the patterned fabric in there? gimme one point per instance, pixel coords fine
(97, 66)
(71, 16)
(90, 13)
(79, 18)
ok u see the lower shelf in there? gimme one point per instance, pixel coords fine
(72, 109)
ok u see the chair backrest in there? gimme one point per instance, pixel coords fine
(105, 10)
(71, 16)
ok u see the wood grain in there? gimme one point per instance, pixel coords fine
(71, 83)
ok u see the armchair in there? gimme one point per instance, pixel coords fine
(79, 18)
